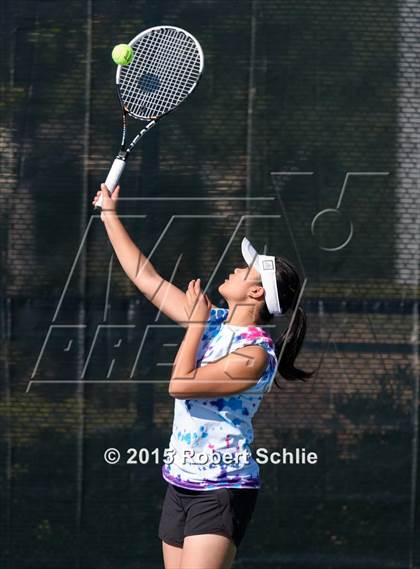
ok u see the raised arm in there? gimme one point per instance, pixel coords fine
(164, 295)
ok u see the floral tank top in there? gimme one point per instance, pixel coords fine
(210, 443)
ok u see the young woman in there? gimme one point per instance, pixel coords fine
(225, 364)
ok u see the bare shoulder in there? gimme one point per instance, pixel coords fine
(251, 356)
(257, 352)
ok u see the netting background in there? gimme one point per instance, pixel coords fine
(304, 107)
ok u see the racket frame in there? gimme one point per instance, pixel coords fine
(120, 160)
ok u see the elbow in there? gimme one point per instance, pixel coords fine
(180, 386)
(182, 392)
(178, 393)
(172, 390)
(177, 396)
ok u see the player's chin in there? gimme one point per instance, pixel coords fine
(222, 286)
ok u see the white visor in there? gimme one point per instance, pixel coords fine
(266, 266)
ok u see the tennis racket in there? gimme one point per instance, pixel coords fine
(167, 65)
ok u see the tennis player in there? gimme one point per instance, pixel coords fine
(223, 368)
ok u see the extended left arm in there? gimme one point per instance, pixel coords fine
(231, 374)
(235, 372)
(185, 361)
(197, 309)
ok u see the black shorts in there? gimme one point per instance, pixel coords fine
(225, 511)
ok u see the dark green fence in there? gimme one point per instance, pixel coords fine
(304, 136)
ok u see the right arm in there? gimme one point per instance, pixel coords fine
(164, 295)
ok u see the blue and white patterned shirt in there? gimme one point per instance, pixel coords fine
(205, 430)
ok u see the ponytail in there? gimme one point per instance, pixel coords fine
(288, 345)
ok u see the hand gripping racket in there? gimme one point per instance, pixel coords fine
(167, 65)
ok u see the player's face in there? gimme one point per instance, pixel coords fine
(237, 285)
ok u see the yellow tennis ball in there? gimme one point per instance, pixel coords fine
(122, 54)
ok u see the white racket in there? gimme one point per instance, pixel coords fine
(167, 65)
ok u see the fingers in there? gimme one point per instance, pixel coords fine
(189, 288)
(191, 295)
(106, 194)
(95, 199)
(196, 299)
(194, 285)
(194, 289)
(103, 191)
(188, 293)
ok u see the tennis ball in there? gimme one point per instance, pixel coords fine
(122, 54)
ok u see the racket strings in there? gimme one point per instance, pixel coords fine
(160, 70)
(165, 69)
(149, 52)
(174, 97)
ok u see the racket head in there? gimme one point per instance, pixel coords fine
(167, 65)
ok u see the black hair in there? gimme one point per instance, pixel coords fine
(288, 287)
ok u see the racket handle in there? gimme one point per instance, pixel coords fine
(112, 179)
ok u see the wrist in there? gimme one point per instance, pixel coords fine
(109, 215)
(196, 327)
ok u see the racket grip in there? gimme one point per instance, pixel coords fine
(112, 179)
